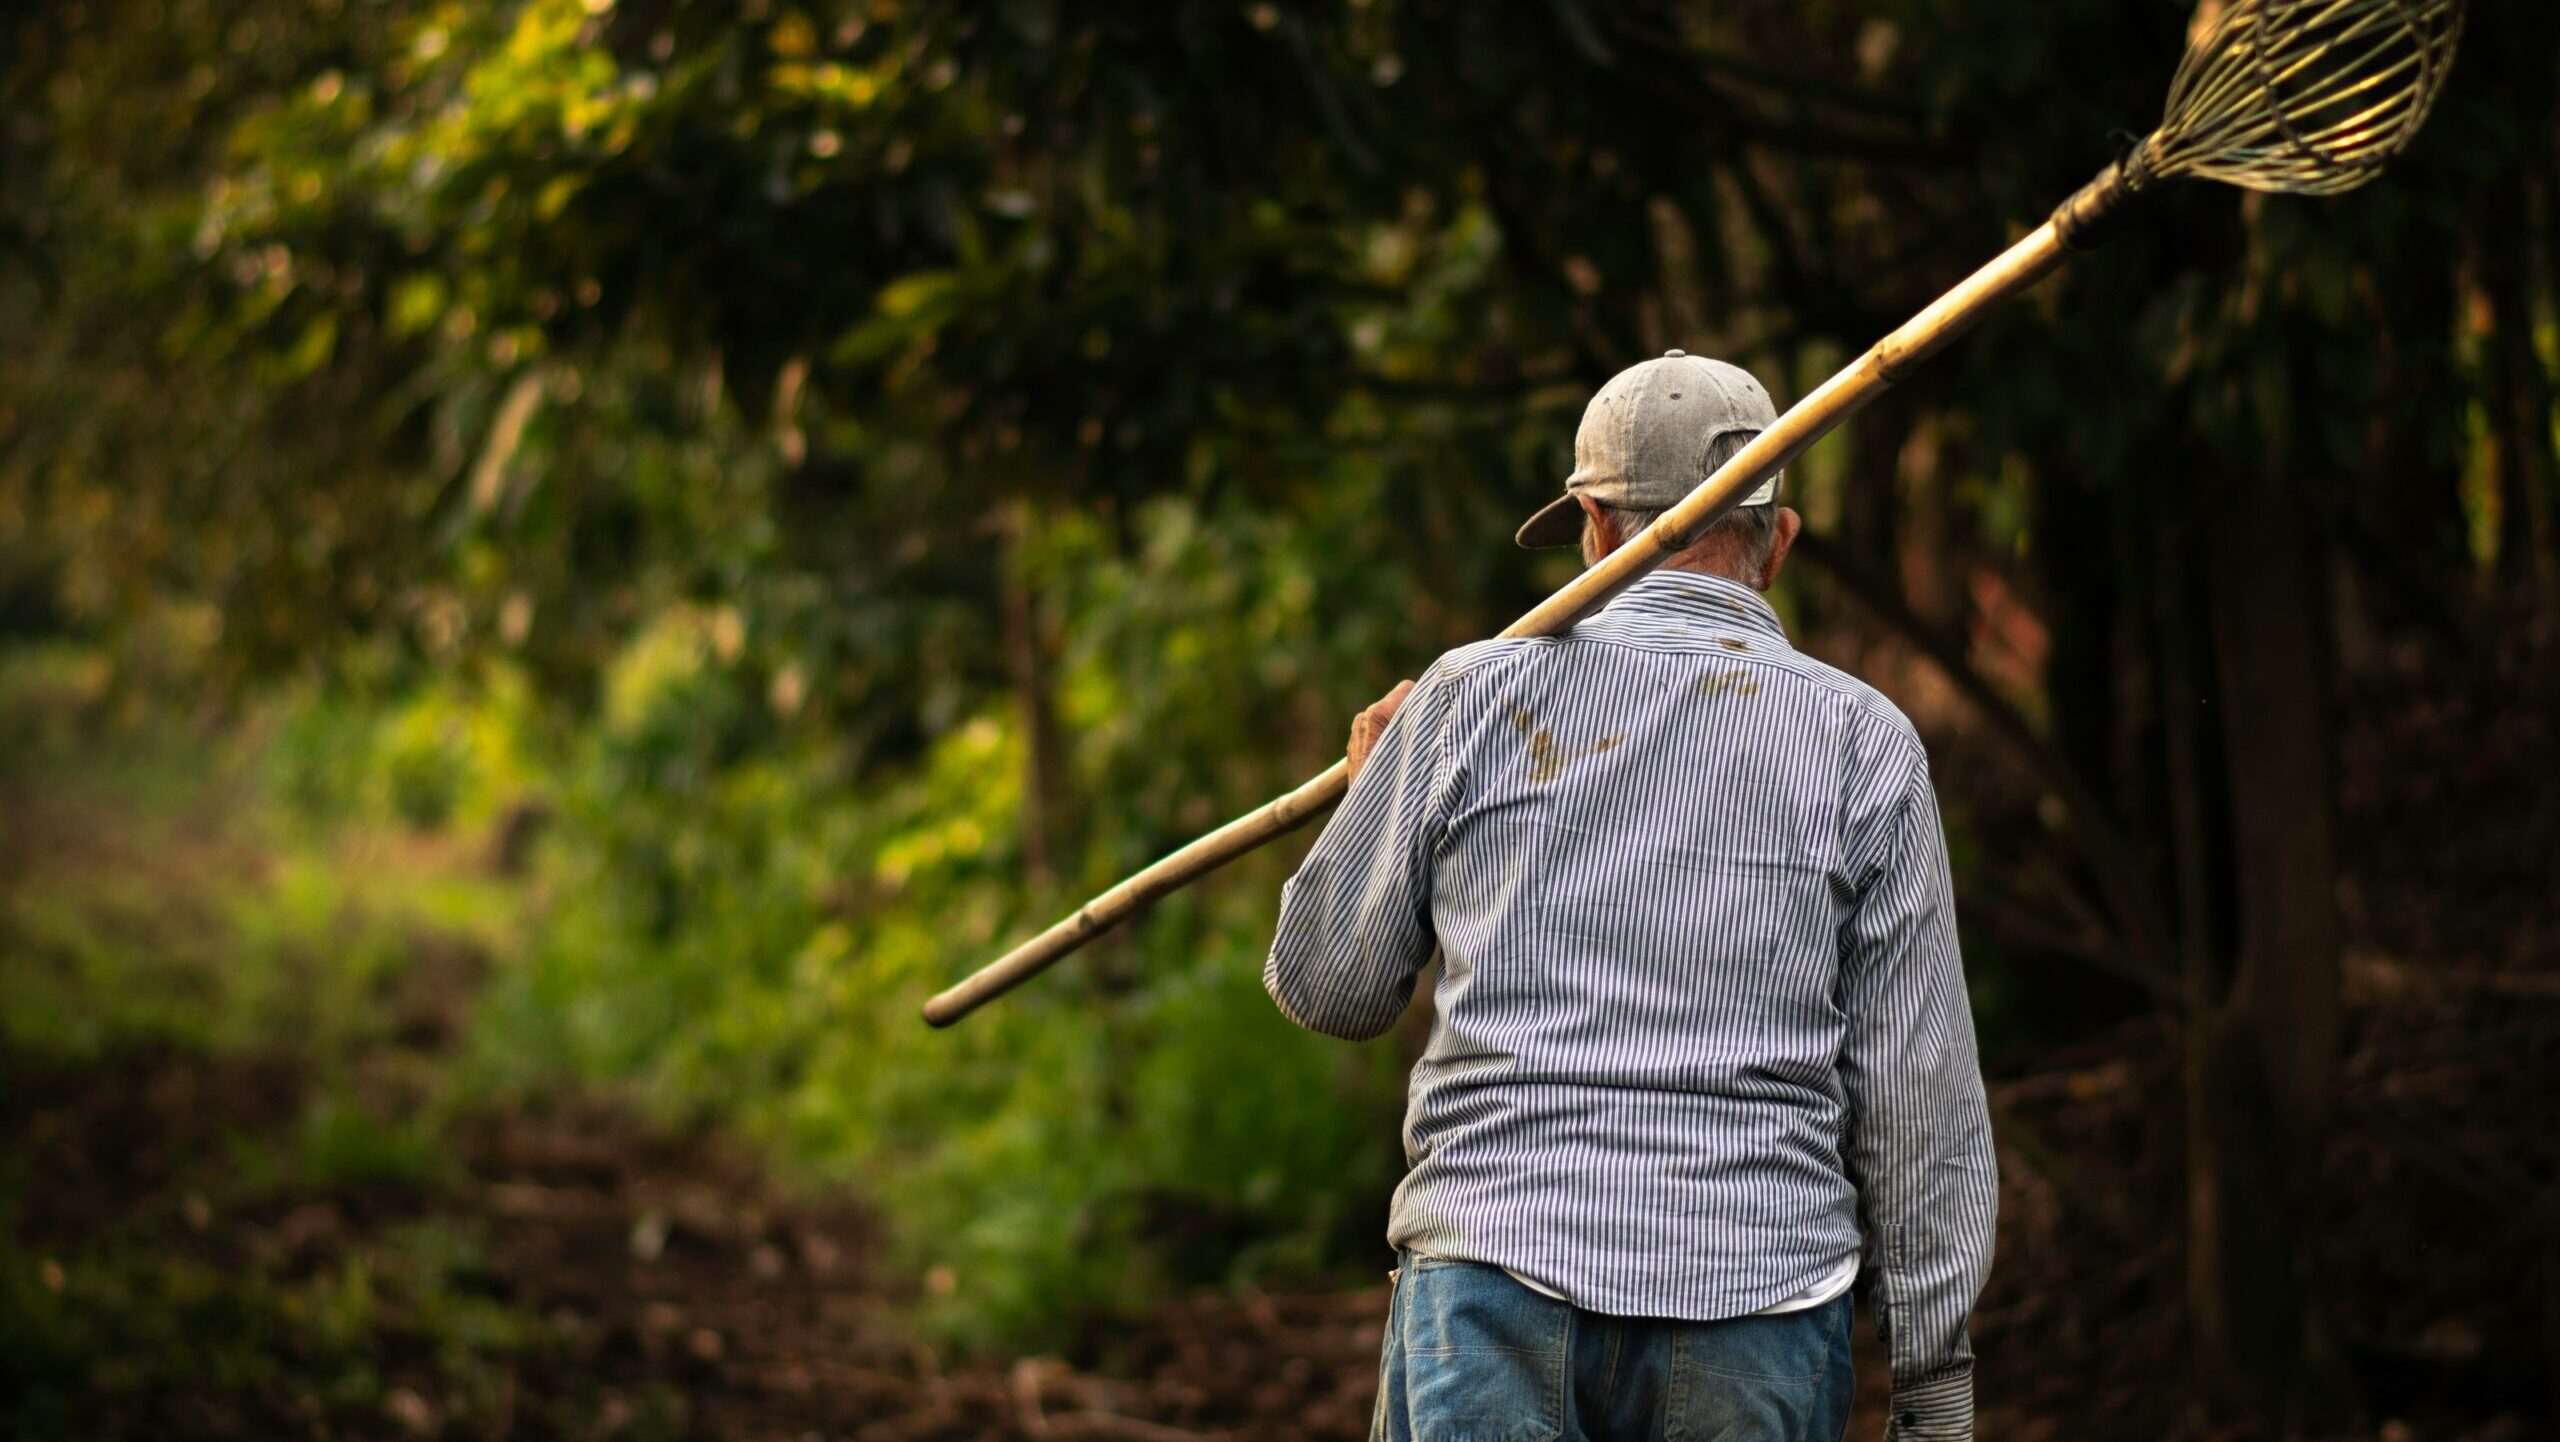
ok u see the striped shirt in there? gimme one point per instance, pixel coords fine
(1701, 1035)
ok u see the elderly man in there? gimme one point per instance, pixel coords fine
(1701, 1057)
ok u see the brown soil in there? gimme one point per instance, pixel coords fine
(679, 1291)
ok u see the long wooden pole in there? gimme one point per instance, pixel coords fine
(1807, 421)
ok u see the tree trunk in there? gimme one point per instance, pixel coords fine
(1870, 489)
(2519, 400)
(2262, 1036)
(2076, 570)
(1929, 578)
(1027, 655)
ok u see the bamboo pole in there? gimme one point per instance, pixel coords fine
(1265, 823)
(1806, 422)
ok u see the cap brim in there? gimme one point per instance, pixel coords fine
(1557, 523)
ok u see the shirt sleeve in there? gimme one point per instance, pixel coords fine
(1355, 922)
(1919, 1143)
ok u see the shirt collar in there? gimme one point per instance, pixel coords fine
(1698, 598)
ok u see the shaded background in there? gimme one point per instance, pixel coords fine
(563, 564)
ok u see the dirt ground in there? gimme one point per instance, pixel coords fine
(682, 1294)
(679, 1292)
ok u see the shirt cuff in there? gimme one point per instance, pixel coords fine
(1940, 1410)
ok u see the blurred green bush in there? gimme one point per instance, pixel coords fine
(729, 917)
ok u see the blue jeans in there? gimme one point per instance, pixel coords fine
(1473, 1356)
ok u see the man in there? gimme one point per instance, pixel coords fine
(1701, 1041)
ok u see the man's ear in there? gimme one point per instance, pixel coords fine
(1604, 529)
(1789, 523)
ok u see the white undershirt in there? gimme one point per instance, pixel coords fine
(1822, 1289)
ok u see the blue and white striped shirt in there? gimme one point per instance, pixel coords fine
(1701, 1028)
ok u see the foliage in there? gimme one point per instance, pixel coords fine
(748, 935)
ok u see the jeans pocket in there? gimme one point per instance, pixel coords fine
(1716, 1407)
(1484, 1358)
(1759, 1379)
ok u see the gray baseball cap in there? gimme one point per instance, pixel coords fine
(1644, 439)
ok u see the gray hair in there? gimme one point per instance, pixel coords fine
(1753, 529)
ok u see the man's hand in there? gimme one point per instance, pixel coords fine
(1369, 724)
